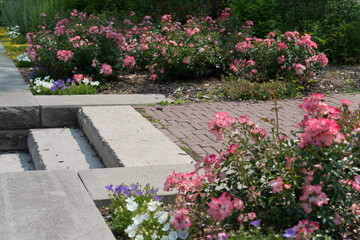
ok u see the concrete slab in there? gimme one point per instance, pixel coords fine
(15, 162)
(13, 140)
(61, 148)
(43, 205)
(95, 180)
(100, 100)
(122, 137)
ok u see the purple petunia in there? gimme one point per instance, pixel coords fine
(118, 189)
(256, 223)
(289, 233)
(134, 187)
(109, 187)
(139, 193)
(157, 198)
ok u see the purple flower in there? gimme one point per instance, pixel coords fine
(157, 198)
(256, 223)
(118, 189)
(133, 187)
(289, 233)
(222, 236)
(153, 191)
(128, 193)
(138, 193)
(109, 187)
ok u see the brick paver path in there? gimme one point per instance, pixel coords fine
(189, 123)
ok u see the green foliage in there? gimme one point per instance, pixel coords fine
(26, 13)
(81, 89)
(241, 89)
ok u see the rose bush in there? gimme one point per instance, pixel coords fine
(299, 188)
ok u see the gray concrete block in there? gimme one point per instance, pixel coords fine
(95, 180)
(100, 100)
(122, 137)
(44, 205)
(15, 162)
(61, 148)
(13, 139)
(59, 116)
(19, 117)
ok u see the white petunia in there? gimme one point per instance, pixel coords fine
(139, 237)
(164, 238)
(138, 219)
(154, 236)
(173, 235)
(146, 216)
(166, 227)
(163, 217)
(152, 206)
(183, 234)
(131, 206)
(131, 230)
(95, 83)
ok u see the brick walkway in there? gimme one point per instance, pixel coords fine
(188, 124)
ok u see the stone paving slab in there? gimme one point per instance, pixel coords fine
(61, 148)
(43, 205)
(189, 123)
(13, 139)
(95, 180)
(122, 137)
(15, 162)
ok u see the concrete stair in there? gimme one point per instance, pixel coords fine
(16, 162)
(123, 138)
(61, 148)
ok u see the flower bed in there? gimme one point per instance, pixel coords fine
(269, 186)
(83, 46)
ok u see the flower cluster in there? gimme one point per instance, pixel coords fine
(299, 187)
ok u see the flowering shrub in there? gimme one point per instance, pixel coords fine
(138, 213)
(298, 188)
(81, 44)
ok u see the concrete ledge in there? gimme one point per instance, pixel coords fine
(95, 180)
(19, 117)
(59, 116)
(43, 205)
(15, 162)
(13, 140)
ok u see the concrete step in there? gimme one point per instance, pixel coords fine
(123, 138)
(15, 162)
(61, 148)
(95, 180)
(44, 205)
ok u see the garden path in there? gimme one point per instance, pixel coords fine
(187, 125)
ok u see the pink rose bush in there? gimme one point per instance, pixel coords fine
(299, 185)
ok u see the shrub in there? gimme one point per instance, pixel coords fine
(81, 45)
(301, 188)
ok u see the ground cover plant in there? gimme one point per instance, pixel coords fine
(271, 186)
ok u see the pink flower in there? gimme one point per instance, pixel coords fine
(281, 59)
(277, 185)
(222, 120)
(299, 68)
(191, 45)
(322, 59)
(252, 215)
(346, 102)
(201, 50)
(129, 61)
(78, 78)
(64, 55)
(307, 207)
(106, 69)
(181, 219)
(232, 148)
(249, 23)
(186, 60)
(356, 182)
(238, 204)
(338, 220)
(153, 77)
(220, 208)
(281, 46)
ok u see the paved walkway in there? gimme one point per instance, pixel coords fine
(188, 124)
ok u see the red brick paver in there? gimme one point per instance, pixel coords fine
(189, 123)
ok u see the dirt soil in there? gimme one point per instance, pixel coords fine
(333, 79)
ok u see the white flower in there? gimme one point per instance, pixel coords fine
(86, 81)
(39, 90)
(183, 234)
(164, 238)
(131, 230)
(131, 206)
(139, 237)
(163, 217)
(95, 83)
(152, 206)
(166, 227)
(138, 219)
(173, 235)
(146, 217)
(154, 236)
